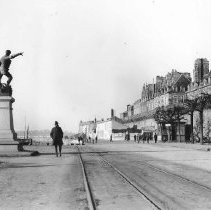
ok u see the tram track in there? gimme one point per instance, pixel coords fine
(165, 172)
(132, 183)
(91, 199)
(177, 176)
(185, 181)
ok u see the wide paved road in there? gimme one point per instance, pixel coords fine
(119, 176)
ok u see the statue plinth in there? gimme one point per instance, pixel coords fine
(5, 90)
(7, 132)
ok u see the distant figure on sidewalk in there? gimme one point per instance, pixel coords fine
(57, 135)
(144, 139)
(79, 139)
(96, 138)
(5, 62)
(111, 138)
(148, 137)
(134, 138)
(139, 138)
(93, 135)
(155, 137)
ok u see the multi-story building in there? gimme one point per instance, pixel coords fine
(167, 91)
(111, 128)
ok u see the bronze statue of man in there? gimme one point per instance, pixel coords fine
(5, 62)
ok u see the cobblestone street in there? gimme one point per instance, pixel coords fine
(121, 175)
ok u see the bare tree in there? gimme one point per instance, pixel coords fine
(189, 108)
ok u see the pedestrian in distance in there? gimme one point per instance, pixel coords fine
(5, 62)
(148, 138)
(86, 138)
(138, 138)
(93, 138)
(155, 137)
(57, 135)
(134, 138)
(128, 137)
(79, 139)
(111, 138)
(82, 138)
(96, 138)
(144, 139)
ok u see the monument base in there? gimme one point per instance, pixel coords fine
(8, 137)
(7, 132)
(8, 150)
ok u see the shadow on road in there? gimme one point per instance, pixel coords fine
(25, 165)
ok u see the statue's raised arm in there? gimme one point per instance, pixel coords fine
(16, 55)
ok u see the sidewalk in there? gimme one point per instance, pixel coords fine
(37, 150)
(196, 146)
(182, 145)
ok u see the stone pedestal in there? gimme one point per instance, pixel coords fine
(7, 132)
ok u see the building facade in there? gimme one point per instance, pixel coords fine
(169, 90)
(88, 127)
(111, 128)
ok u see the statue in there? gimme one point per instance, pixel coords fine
(5, 62)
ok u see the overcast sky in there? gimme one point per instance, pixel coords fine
(84, 57)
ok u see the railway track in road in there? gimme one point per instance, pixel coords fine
(90, 196)
(165, 172)
(128, 177)
(176, 176)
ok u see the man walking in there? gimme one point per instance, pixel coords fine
(148, 138)
(96, 138)
(5, 62)
(155, 137)
(57, 135)
(111, 138)
(134, 138)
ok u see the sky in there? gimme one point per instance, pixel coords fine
(84, 57)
